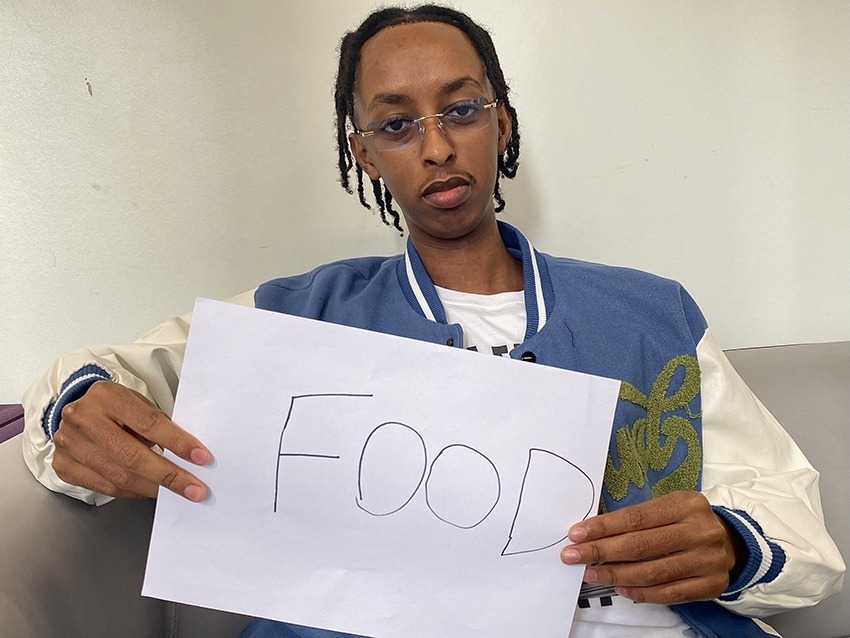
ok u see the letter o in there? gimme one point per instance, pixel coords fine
(392, 466)
(462, 487)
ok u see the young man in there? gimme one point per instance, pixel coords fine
(706, 497)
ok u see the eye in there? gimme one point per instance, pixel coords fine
(465, 111)
(393, 126)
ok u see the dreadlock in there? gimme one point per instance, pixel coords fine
(349, 57)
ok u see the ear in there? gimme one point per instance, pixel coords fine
(504, 122)
(362, 156)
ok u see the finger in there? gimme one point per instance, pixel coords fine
(134, 412)
(80, 461)
(656, 512)
(681, 591)
(75, 473)
(644, 544)
(97, 442)
(659, 571)
(139, 465)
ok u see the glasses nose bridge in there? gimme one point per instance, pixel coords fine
(420, 122)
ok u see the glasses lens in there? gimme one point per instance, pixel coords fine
(466, 115)
(395, 132)
(400, 131)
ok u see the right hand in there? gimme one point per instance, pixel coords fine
(104, 440)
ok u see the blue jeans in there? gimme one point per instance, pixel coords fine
(261, 628)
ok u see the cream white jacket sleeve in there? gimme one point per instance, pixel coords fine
(150, 366)
(768, 490)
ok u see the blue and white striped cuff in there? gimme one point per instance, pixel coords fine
(72, 389)
(765, 558)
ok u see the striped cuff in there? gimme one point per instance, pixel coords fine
(74, 387)
(765, 559)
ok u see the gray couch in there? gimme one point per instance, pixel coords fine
(73, 570)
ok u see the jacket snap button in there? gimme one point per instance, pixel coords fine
(529, 356)
(450, 341)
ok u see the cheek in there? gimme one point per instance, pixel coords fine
(398, 172)
(490, 160)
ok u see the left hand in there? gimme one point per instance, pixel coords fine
(669, 550)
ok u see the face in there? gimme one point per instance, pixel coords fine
(443, 181)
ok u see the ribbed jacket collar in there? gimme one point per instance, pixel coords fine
(537, 287)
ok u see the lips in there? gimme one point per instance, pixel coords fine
(436, 187)
(447, 193)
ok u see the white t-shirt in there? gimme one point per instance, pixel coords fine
(496, 324)
(491, 323)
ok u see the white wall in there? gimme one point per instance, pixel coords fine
(705, 141)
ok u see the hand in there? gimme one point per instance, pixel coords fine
(103, 444)
(669, 550)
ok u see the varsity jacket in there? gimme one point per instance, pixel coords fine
(684, 419)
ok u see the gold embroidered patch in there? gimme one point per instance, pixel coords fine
(638, 445)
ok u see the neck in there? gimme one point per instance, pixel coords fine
(478, 263)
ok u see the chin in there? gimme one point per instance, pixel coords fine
(450, 224)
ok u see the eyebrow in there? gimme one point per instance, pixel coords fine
(392, 99)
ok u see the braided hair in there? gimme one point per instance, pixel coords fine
(349, 57)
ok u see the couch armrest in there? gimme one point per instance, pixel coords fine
(70, 569)
(805, 387)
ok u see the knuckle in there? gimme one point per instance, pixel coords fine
(119, 477)
(177, 443)
(97, 483)
(639, 546)
(130, 455)
(634, 518)
(61, 467)
(710, 536)
(673, 595)
(148, 421)
(673, 539)
(679, 570)
(694, 501)
(655, 574)
(93, 459)
(72, 417)
(69, 411)
(109, 436)
(100, 388)
(596, 554)
(169, 479)
(665, 572)
(672, 507)
(716, 538)
(60, 438)
(103, 487)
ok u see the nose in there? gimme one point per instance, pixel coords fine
(437, 147)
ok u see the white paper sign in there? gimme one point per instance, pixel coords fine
(376, 485)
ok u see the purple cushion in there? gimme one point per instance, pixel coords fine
(11, 421)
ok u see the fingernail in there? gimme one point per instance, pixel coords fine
(199, 456)
(570, 556)
(194, 493)
(577, 534)
(590, 575)
(622, 591)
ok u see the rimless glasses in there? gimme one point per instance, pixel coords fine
(399, 131)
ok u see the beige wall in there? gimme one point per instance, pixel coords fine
(705, 141)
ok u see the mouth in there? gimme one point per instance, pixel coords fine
(448, 193)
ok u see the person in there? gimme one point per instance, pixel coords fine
(710, 513)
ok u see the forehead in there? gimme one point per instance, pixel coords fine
(412, 59)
